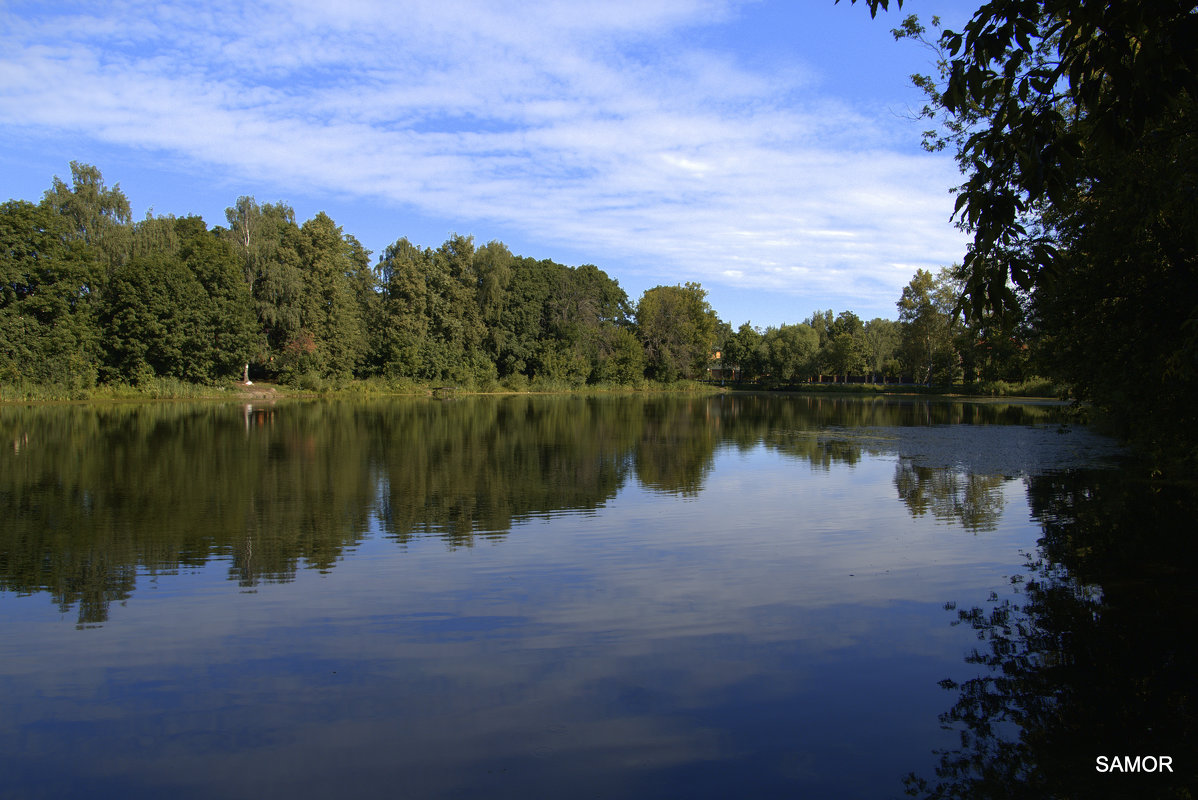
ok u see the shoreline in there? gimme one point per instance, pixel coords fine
(179, 391)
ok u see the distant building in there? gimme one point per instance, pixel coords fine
(717, 370)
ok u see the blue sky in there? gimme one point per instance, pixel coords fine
(763, 149)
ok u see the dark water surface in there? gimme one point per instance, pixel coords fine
(736, 596)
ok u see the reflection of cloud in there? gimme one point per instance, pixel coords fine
(607, 131)
(605, 648)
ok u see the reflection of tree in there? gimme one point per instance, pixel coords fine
(674, 448)
(94, 585)
(95, 494)
(1092, 656)
(815, 447)
(467, 469)
(975, 501)
(92, 496)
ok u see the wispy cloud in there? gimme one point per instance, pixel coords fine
(600, 126)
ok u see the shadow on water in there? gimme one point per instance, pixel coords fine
(1092, 655)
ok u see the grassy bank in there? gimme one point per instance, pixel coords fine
(1035, 387)
(171, 389)
(312, 387)
(154, 389)
(519, 385)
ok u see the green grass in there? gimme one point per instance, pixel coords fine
(1032, 387)
(153, 389)
(313, 386)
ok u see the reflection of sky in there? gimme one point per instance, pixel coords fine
(782, 631)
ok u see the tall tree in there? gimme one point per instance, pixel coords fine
(331, 341)
(882, 338)
(1073, 124)
(433, 326)
(94, 213)
(178, 311)
(48, 328)
(402, 339)
(458, 326)
(519, 321)
(926, 314)
(846, 345)
(745, 352)
(227, 330)
(364, 286)
(791, 351)
(677, 327)
(493, 264)
(266, 239)
(821, 323)
(586, 312)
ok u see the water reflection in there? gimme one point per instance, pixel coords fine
(467, 470)
(1091, 653)
(974, 501)
(654, 596)
(90, 495)
(97, 493)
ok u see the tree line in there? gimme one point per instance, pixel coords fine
(88, 297)
(929, 344)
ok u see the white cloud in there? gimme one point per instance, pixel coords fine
(596, 126)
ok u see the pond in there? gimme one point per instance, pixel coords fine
(663, 596)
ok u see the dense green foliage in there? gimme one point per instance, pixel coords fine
(48, 329)
(926, 308)
(1073, 123)
(90, 300)
(678, 328)
(930, 344)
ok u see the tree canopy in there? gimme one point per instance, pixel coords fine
(678, 328)
(1073, 123)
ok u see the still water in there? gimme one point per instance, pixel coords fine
(734, 596)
